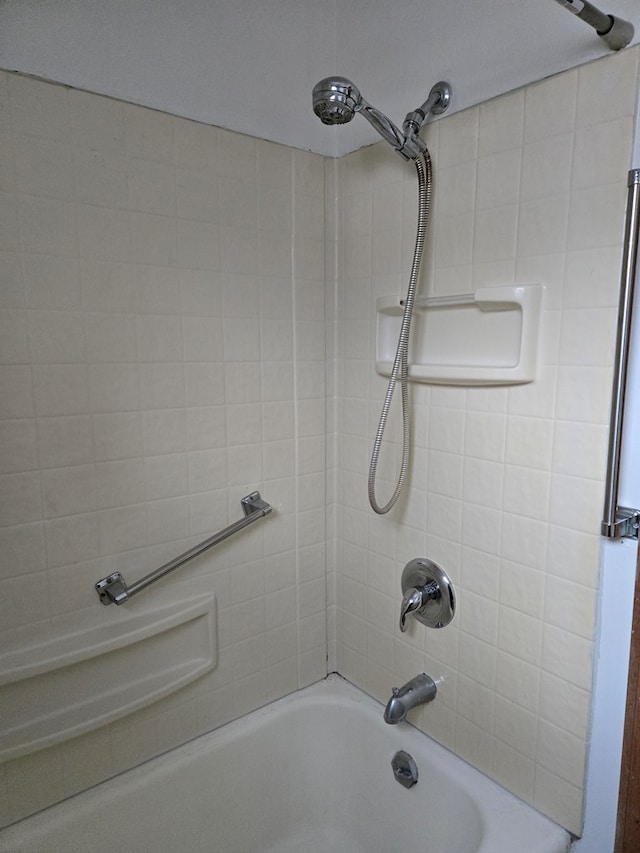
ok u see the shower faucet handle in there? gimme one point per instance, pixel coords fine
(415, 599)
(427, 594)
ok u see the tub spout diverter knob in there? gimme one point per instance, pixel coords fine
(427, 594)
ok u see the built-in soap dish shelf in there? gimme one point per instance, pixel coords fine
(488, 337)
(58, 690)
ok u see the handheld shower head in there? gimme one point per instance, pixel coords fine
(336, 100)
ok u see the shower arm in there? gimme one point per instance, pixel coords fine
(407, 142)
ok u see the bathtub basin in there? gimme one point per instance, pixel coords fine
(310, 773)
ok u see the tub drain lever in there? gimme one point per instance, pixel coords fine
(404, 769)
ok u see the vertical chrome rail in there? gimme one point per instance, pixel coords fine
(622, 522)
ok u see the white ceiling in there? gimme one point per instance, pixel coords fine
(250, 65)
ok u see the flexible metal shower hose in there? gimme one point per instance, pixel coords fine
(400, 363)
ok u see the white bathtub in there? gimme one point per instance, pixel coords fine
(309, 773)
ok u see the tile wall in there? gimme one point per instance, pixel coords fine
(507, 483)
(162, 342)
(168, 345)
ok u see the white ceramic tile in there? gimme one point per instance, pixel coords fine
(68, 491)
(104, 234)
(570, 606)
(524, 540)
(110, 337)
(521, 588)
(12, 283)
(513, 770)
(580, 449)
(56, 337)
(612, 83)
(602, 153)
(455, 190)
(542, 226)
(563, 704)
(588, 336)
(520, 635)
(198, 245)
(596, 216)
(43, 167)
(567, 656)
(100, 177)
(546, 167)
(481, 528)
(479, 617)
(561, 752)
(475, 703)
(108, 286)
(501, 123)
(119, 482)
(148, 133)
(18, 446)
(577, 500)
(483, 482)
(558, 799)
(113, 388)
(96, 122)
(22, 549)
(71, 539)
(526, 492)
(117, 435)
(459, 138)
(495, 234)
(484, 436)
(476, 659)
(574, 555)
(517, 680)
(516, 727)
(151, 187)
(38, 108)
(529, 442)
(574, 404)
(550, 106)
(591, 278)
(480, 572)
(454, 240)
(498, 179)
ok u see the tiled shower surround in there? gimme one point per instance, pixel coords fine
(189, 314)
(163, 355)
(506, 484)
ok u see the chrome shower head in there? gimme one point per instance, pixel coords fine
(336, 100)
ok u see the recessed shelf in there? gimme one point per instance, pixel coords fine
(488, 337)
(55, 691)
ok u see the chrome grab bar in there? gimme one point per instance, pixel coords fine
(113, 589)
(621, 522)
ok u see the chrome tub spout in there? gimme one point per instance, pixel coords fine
(418, 691)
